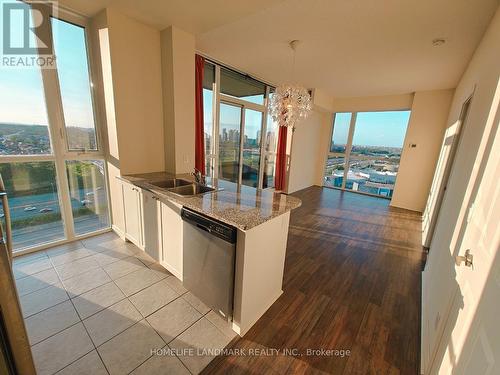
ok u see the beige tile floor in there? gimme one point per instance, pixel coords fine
(102, 306)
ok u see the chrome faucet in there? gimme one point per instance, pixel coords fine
(199, 178)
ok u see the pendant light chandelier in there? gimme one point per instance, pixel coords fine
(290, 101)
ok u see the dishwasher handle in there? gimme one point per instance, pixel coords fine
(203, 227)
(216, 228)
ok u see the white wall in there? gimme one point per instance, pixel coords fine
(178, 79)
(426, 127)
(127, 60)
(482, 79)
(322, 100)
(135, 62)
(99, 36)
(373, 103)
(306, 152)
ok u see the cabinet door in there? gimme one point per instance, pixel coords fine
(132, 210)
(151, 223)
(172, 237)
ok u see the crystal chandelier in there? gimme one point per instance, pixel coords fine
(290, 101)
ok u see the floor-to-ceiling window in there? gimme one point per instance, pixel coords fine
(240, 137)
(51, 159)
(365, 151)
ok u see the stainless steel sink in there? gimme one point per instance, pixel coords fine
(191, 189)
(170, 183)
(182, 187)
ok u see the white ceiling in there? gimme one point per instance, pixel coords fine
(349, 47)
(195, 16)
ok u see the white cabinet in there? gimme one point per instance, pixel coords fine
(132, 213)
(154, 226)
(171, 237)
(151, 224)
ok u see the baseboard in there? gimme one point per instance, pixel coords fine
(172, 270)
(240, 331)
(118, 231)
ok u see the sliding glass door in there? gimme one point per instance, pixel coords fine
(229, 142)
(240, 138)
(51, 160)
(239, 156)
(365, 151)
(270, 147)
(250, 162)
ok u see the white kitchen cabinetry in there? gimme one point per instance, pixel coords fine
(132, 213)
(171, 237)
(151, 224)
(154, 226)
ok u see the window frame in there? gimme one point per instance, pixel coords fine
(83, 23)
(60, 152)
(217, 99)
(347, 154)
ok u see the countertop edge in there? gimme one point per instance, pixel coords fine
(143, 183)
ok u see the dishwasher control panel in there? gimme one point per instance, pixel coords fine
(215, 227)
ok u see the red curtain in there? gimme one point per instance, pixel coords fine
(280, 172)
(199, 139)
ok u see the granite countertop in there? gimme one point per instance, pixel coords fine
(243, 207)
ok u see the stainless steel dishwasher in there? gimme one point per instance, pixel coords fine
(208, 260)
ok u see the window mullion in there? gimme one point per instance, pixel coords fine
(26, 158)
(56, 130)
(352, 125)
(216, 121)
(242, 131)
(100, 134)
(84, 155)
(263, 132)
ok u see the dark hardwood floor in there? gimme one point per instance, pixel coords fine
(352, 282)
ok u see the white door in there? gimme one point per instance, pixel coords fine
(443, 170)
(132, 213)
(471, 340)
(151, 223)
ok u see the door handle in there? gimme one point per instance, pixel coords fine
(467, 258)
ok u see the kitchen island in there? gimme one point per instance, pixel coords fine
(261, 218)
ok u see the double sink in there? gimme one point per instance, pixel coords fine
(182, 187)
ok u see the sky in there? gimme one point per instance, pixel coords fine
(386, 128)
(22, 99)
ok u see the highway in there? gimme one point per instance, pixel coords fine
(49, 232)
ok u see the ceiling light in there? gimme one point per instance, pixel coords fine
(290, 101)
(438, 42)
